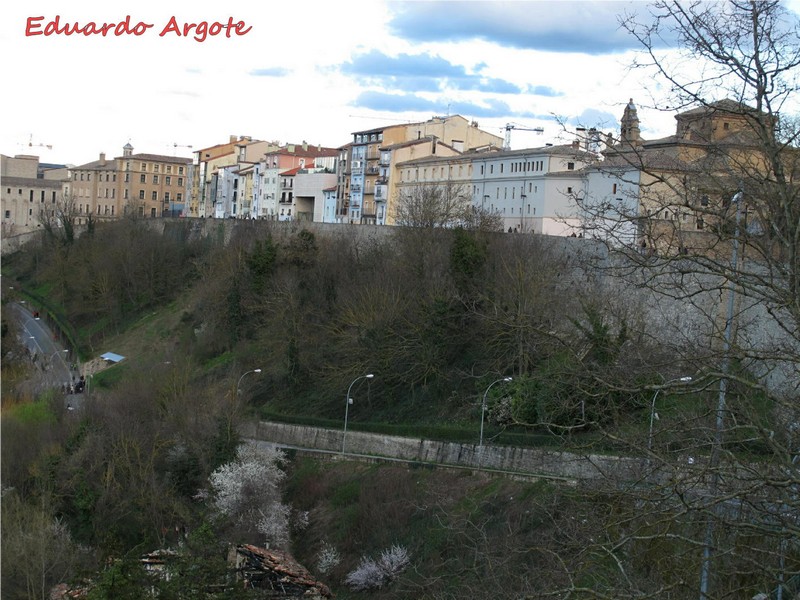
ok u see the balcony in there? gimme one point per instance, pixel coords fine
(382, 180)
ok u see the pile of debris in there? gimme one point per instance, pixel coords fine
(275, 574)
(260, 568)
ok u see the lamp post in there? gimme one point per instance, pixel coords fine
(705, 569)
(483, 406)
(347, 402)
(238, 383)
(653, 415)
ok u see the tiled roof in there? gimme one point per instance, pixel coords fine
(159, 158)
(295, 170)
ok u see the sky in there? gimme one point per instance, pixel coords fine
(314, 71)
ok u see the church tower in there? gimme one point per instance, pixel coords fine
(629, 125)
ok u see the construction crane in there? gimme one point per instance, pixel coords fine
(176, 145)
(32, 145)
(510, 126)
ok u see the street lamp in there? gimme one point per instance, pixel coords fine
(653, 415)
(348, 401)
(483, 405)
(238, 383)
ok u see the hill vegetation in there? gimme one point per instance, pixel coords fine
(436, 315)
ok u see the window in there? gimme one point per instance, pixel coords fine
(166, 196)
(153, 212)
(53, 199)
(8, 214)
(155, 178)
(614, 189)
(31, 195)
(481, 169)
(127, 177)
(180, 181)
(178, 197)
(569, 190)
(141, 194)
(155, 168)
(144, 166)
(142, 178)
(169, 168)
(180, 170)
(154, 196)
(700, 223)
(168, 180)
(125, 195)
(570, 166)
(704, 200)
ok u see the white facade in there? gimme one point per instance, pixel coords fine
(611, 204)
(532, 190)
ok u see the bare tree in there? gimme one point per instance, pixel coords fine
(441, 205)
(59, 221)
(713, 222)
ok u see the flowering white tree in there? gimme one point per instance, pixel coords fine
(374, 574)
(248, 490)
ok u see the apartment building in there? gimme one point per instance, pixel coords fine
(363, 205)
(272, 199)
(208, 162)
(141, 184)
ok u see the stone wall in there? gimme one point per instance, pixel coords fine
(528, 461)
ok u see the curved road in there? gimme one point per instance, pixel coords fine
(50, 358)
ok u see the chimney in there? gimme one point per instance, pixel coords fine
(305, 146)
(576, 144)
(102, 159)
(233, 139)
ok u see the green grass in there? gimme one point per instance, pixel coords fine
(39, 411)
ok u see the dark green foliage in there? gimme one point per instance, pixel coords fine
(261, 262)
(468, 256)
(604, 345)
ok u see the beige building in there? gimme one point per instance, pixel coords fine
(669, 194)
(31, 192)
(143, 185)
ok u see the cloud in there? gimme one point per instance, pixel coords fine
(398, 103)
(422, 73)
(556, 26)
(270, 72)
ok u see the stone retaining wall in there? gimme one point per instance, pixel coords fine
(551, 463)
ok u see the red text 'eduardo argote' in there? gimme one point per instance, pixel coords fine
(198, 31)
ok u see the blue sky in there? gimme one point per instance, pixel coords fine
(318, 71)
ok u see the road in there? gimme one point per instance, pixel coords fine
(50, 358)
